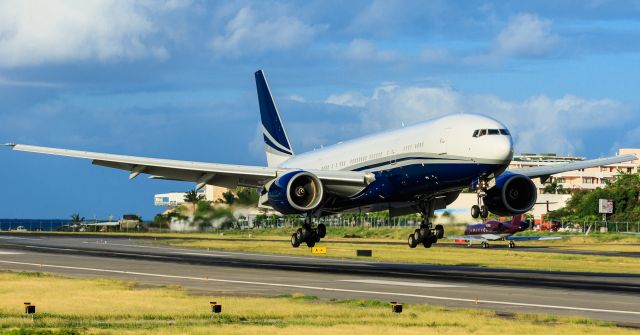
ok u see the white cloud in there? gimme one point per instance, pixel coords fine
(296, 98)
(364, 50)
(247, 32)
(39, 31)
(347, 99)
(4, 81)
(526, 35)
(539, 123)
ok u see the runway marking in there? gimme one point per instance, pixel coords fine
(19, 238)
(11, 253)
(399, 283)
(328, 289)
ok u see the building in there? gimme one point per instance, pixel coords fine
(210, 192)
(583, 179)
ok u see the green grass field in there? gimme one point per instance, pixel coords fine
(277, 241)
(102, 306)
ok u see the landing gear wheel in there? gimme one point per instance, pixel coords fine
(322, 230)
(311, 241)
(475, 211)
(412, 241)
(485, 245)
(295, 242)
(306, 231)
(299, 235)
(433, 239)
(416, 235)
(512, 244)
(427, 243)
(439, 231)
(484, 212)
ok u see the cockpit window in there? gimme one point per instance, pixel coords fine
(482, 132)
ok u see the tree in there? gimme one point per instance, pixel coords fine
(193, 197)
(76, 218)
(229, 197)
(247, 196)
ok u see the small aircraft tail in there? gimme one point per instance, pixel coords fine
(277, 146)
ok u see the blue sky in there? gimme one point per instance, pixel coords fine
(175, 80)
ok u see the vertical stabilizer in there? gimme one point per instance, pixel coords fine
(277, 145)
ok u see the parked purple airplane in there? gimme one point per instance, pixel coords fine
(499, 231)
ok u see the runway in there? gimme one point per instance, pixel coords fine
(614, 297)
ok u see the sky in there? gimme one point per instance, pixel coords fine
(174, 79)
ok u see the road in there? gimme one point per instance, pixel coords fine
(613, 297)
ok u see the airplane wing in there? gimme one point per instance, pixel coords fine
(516, 238)
(225, 175)
(547, 170)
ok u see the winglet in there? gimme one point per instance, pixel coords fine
(12, 145)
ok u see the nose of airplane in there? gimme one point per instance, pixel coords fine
(503, 149)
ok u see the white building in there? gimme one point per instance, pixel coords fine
(583, 179)
(210, 192)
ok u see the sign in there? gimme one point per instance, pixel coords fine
(605, 206)
(319, 250)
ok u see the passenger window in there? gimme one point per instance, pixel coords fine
(504, 132)
(494, 132)
(476, 132)
(483, 132)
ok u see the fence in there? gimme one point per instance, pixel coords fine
(365, 221)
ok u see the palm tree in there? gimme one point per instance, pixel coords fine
(75, 218)
(193, 198)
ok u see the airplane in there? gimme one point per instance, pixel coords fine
(492, 230)
(414, 169)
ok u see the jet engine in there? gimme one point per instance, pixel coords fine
(295, 192)
(513, 194)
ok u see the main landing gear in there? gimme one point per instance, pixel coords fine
(512, 244)
(309, 235)
(427, 235)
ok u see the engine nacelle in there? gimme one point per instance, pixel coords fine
(295, 192)
(513, 194)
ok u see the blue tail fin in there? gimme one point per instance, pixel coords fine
(277, 145)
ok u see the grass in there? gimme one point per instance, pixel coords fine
(101, 306)
(495, 258)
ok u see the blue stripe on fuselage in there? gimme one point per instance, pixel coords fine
(404, 183)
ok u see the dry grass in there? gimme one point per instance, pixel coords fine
(99, 306)
(503, 258)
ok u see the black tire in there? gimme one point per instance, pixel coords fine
(311, 242)
(306, 232)
(433, 239)
(295, 242)
(439, 231)
(475, 211)
(512, 244)
(322, 230)
(484, 212)
(417, 236)
(412, 241)
(299, 234)
(427, 243)
(485, 245)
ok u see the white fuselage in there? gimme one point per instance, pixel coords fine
(448, 138)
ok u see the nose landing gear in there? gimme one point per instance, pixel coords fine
(480, 210)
